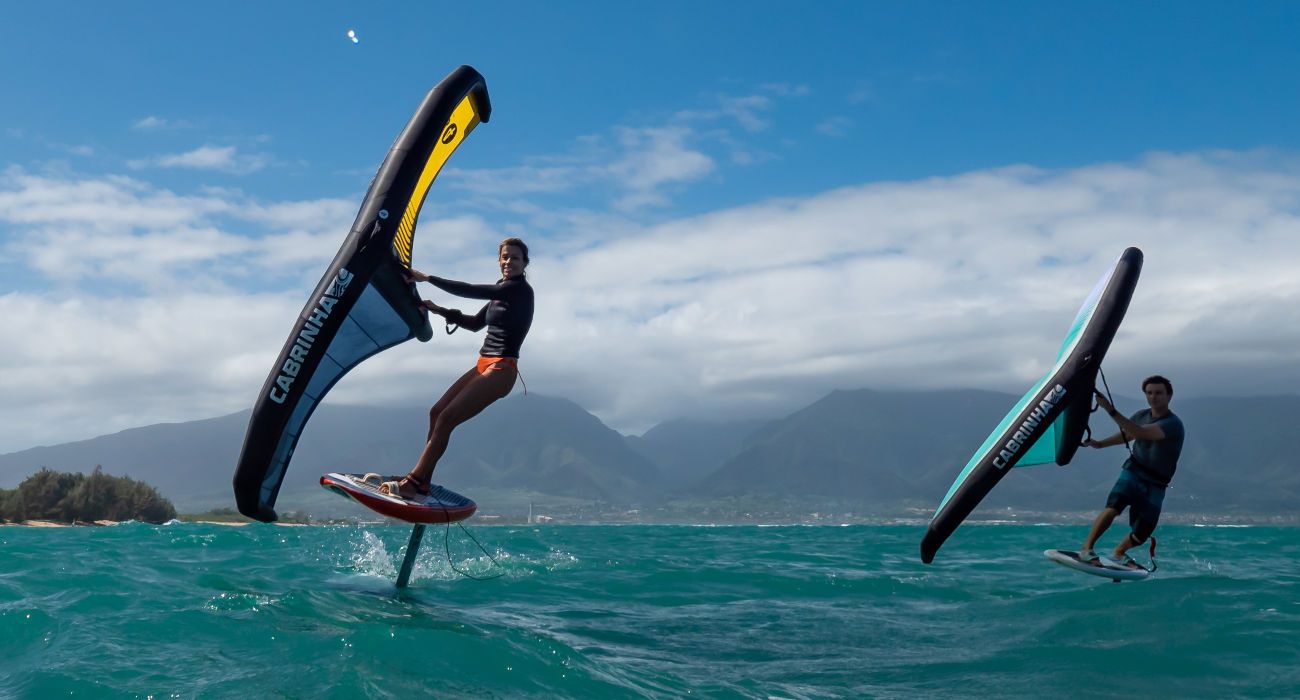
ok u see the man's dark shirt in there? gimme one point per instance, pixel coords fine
(1156, 460)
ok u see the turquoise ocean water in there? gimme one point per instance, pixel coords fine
(594, 611)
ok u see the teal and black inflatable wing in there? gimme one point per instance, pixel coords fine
(363, 304)
(1048, 423)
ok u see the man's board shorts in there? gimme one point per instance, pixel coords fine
(1144, 500)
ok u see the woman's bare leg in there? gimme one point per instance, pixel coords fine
(472, 393)
(451, 393)
(456, 387)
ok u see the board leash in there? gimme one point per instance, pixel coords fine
(446, 545)
(1152, 553)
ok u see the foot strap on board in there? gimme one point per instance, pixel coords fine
(394, 488)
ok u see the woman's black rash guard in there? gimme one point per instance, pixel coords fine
(507, 315)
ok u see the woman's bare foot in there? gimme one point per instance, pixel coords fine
(409, 488)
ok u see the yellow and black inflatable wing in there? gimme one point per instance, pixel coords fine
(363, 304)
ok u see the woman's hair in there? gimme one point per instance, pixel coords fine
(517, 243)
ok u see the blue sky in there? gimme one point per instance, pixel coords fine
(748, 204)
(908, 90)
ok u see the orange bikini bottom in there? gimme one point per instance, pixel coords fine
(487, 364)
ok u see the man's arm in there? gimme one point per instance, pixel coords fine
(1151, 432)
(1116, 439)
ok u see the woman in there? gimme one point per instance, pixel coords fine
(507, 316)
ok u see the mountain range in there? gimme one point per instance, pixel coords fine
(881, 451)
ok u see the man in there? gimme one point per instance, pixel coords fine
(1157, 436)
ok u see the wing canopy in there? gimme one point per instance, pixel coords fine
(1047, 424)
(363, 304)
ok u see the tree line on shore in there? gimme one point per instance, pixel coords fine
(70, 498)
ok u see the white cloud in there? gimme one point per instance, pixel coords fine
(653, 158)
(965, 281)
(28, 199)
(122, 231)
(524, 179)
(156, 123)
(748, 111)
(633, 166)
(835, 126)
(86, 365)
(862, 92)
(787, 89)
(220, 158)
(123, 257)
(204, 158)
(640, 167)
(150, 122)
(314, 214)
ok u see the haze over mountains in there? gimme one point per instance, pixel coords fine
(883, 451)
